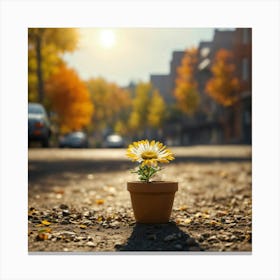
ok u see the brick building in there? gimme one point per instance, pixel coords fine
(166, 83)
(213, 123)
(242, 48)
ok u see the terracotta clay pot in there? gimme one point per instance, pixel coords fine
(152, 202)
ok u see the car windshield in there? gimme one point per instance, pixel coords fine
(35, 109)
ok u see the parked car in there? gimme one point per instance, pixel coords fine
(39, 129)
(77, 139)
(114, 141)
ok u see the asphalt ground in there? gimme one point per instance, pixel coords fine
(78, 202)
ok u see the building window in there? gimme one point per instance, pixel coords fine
(245, 69)
(245, 36)
(204, 52)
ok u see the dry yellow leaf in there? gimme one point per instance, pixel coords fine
(82, 226)
(202, 215)
(198, 215)
(59, 191)
(221, 213)
(99, 201)
(188, 221)
(215, 223)
(48, 230)
(45, 222)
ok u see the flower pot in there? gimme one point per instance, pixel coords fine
(152, 202)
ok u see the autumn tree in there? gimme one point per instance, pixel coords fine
(111, 105)
(224, 85)
(148, 108)
(186, 87)
(140, 104)
(156, 110)
(45, 49)
(70, 100)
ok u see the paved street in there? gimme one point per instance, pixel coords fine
(78, 201)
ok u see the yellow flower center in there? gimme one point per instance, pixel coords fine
(149, 155)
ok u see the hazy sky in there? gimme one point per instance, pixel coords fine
(131, 54)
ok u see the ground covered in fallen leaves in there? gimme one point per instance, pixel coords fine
(83, 206)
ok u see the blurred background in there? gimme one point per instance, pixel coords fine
(103, 88)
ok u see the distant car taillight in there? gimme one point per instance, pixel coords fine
(39, 124)
(37, 132)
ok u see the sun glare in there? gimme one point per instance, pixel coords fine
(107, 38)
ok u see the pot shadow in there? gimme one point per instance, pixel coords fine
(159, 237)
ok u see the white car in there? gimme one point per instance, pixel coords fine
(114, 141)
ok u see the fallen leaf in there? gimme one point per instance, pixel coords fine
(83, 226)
(32, 211)
(48, 230)
(99, 201)
(188, 221)
(43, 236)
(39, 225)
(45, 222)
(100, 219)
(198, 215)
(183, 207)
(221, 213)
(202, 215)
(59, 191)
(215, 223)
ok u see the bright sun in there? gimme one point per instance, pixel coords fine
(107, 38)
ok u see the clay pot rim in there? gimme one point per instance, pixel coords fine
(152, 182)
(152, 187)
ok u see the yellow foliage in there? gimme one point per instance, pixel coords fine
(111, 102)
(156, 110)
(148, 108)
(223, 86)
(120, 127)
(134, 120)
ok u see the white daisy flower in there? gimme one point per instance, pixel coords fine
(149, 153)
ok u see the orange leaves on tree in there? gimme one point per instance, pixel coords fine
(186, 89)
(70, 99)
(223, 86)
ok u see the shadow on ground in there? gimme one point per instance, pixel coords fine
(159, 237)
(38, 169)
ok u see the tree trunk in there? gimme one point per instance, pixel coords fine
(40, 85)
